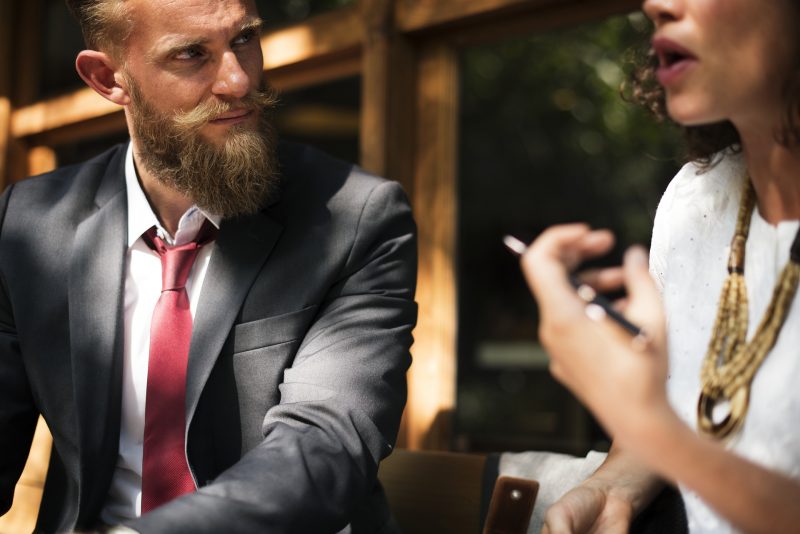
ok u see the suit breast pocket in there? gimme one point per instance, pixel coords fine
(273, 330)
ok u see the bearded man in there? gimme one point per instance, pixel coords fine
(215, 326)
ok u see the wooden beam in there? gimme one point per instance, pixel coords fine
(415, 15)
(545, 18)
(309, 73)
(5, 123)
(6, 27)
(322, 35)
(512, 15)
(104, 125)
(432, 378)
(79, 106)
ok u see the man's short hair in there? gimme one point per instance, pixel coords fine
(105, 24)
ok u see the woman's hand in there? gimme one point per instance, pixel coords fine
(607, 501)
(624, 385)
(621, 382)
(587, 509)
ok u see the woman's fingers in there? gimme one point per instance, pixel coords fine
(605, 280)
(556, 252)
(644, 299)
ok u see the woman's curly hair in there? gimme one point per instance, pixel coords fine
(705, 142)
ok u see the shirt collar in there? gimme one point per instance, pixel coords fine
(141, 217)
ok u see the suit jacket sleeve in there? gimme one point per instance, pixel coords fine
(17, 411)
(341, 400)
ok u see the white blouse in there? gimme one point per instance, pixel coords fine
(688, 257)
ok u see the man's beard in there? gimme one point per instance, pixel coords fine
(235, 178)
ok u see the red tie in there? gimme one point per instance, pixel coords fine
(165, 472)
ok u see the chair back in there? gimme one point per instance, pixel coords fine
(436, 492)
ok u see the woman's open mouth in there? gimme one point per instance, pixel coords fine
(673, 60)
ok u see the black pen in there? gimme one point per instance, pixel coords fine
(597, 306)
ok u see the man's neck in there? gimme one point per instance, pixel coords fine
(167, 204)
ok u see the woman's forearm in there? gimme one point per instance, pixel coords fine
(751, 497)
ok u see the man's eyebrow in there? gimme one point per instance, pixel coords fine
(179, 45)
(254, 24)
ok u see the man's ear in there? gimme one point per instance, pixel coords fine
(98, 70)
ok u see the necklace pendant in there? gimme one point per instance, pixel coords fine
(719, 416)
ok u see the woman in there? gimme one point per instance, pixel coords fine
(721, 418)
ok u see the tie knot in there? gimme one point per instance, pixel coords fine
(177, 261)
(176, 264)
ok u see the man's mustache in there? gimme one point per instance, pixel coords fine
(204, 112)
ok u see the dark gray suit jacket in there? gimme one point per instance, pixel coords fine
(296, 377)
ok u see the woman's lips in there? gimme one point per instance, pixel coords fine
(673, 59)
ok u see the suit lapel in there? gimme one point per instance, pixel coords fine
(241, 249)
(96, 282)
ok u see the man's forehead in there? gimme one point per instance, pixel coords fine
(191, 17)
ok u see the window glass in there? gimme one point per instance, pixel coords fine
(70, 153)
(544, 138)
(325, 115)
(62, 40)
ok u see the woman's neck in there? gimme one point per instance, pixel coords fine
(775, 172)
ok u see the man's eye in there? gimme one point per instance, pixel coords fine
(245, 37)
(189, 53)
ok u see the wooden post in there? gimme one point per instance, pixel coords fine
(387, 96)
(387, 109)
(432, 379)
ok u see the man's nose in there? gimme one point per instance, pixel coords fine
(232, 80)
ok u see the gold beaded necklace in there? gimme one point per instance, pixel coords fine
(731, 361)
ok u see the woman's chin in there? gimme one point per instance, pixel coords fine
(691, 113)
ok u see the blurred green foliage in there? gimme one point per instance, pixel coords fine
(545, 138)
(543, 115)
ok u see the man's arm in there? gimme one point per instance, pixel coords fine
(17, 412)
(341, 400)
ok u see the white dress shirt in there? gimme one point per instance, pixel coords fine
(688, 257)
(142, 290)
